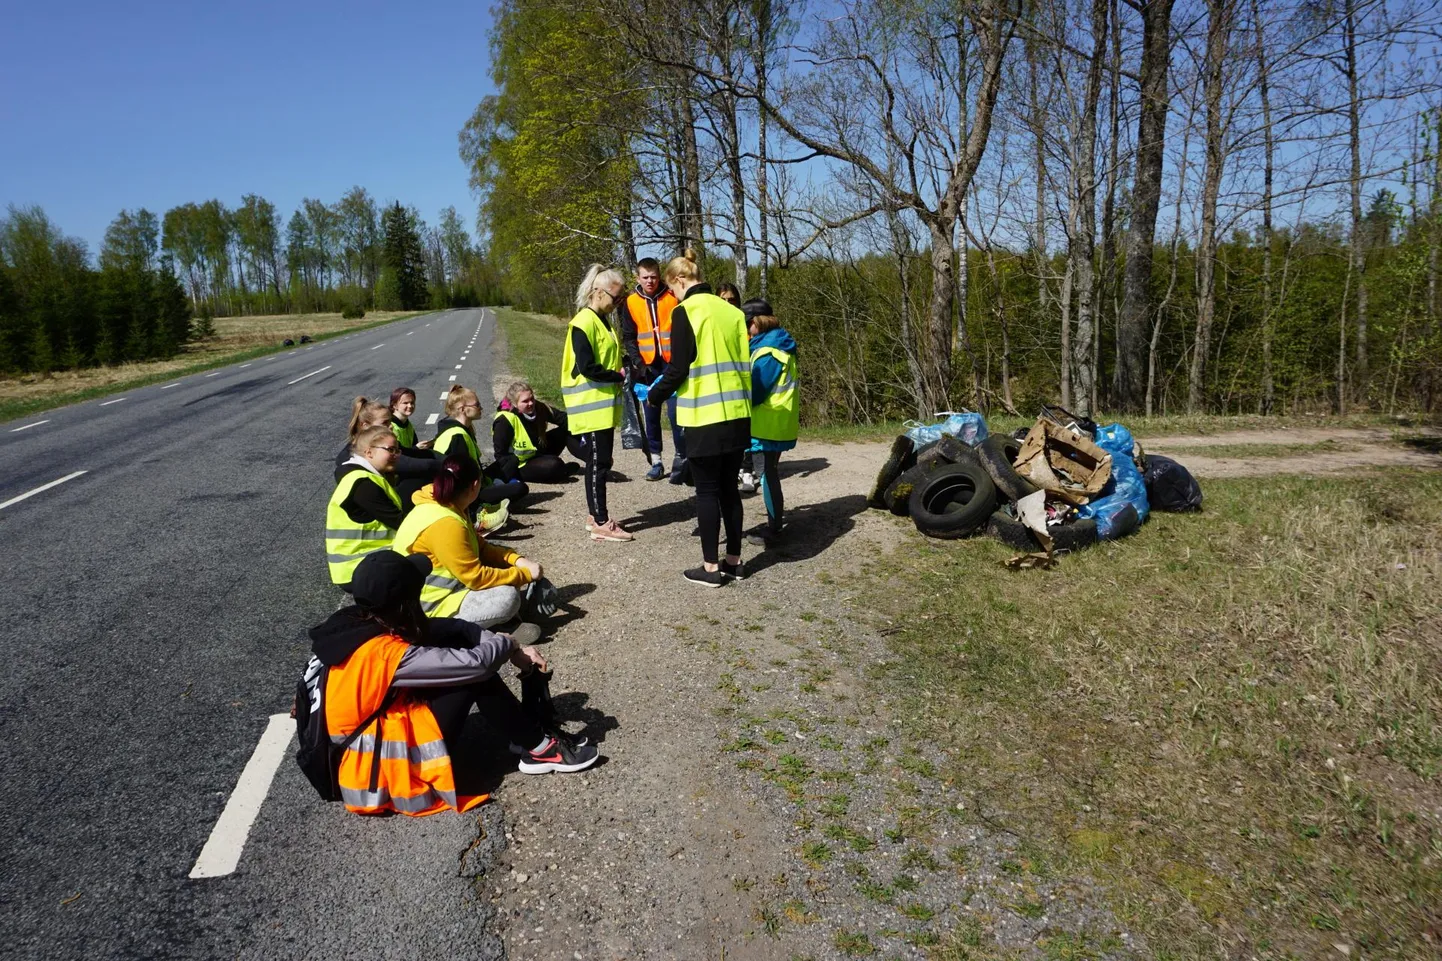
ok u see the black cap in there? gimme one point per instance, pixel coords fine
(384, 580)
(757, 308)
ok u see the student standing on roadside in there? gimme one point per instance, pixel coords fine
(775, 408)
(710, 376)
(528, 436)
(365, 508)
(591, 385)
(727, 291)
(646, 338)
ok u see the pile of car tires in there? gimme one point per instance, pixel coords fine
(950, 490)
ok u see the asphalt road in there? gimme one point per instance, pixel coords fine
(153, 619)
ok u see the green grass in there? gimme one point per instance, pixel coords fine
(1232, 719)
(533, 349)
(13, 407)
(1255, 451)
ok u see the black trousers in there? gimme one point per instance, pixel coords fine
(496, 704)
(546, 466)
(718, 500)
(599, 449)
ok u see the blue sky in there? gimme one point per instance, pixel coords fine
(107, 105)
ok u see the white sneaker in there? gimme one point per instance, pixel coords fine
(748, 482)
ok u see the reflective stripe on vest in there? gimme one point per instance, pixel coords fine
(442, 593)
(718, 385)
(591, 405)
(521, 444)
(401, 763)
(345, 543)
(650, 329)
(405, 433)
(443, 443)
(779, 416)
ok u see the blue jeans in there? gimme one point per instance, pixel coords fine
(653, 429)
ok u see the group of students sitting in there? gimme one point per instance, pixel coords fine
(437, 609)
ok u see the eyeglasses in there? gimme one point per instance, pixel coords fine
(388, 450)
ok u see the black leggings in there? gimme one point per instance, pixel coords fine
(598, 447)
(496, 704)
(718, 499)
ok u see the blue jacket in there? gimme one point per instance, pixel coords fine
(765, 372)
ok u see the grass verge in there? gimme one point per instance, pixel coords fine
(1255, 451)
(1232, 719)
(533, 349)
(237, 339)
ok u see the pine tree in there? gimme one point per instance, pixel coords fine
(403, 270)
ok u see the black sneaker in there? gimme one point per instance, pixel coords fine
(575, 740)
(560, 757)
(699, 575)
(737, 570)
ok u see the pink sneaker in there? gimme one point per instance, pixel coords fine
(609, 531)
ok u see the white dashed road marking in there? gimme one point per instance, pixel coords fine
(453, 377)
(432, 419)
(244, 366)
(311, 374)
(227, 840)
(107, 403)
(459, 366)
(216, 374)
(168, 386)
(16, 430)
(42, 487)
(409, 332)
(377, 346)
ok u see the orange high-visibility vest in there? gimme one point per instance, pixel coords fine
(401, 764)
(653, 331)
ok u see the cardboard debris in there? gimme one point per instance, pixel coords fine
(1064, 463)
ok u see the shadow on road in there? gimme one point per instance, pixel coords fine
(811, 529)
(802, 468)
(671, 512)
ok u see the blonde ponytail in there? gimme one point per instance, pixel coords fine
(597, 276)
(366, 413)
(684, 267)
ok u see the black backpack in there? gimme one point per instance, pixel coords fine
(319, 756)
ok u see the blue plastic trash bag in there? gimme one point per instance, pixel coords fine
(965, 426)
(1126, 488)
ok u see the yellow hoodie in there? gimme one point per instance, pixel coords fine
(461, 551)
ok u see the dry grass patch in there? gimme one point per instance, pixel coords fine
(236, 338)
(1234, 719)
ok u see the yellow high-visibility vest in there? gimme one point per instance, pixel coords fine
(443, 443)
(442, 593)
(718, 386)
(521, 444)
(346, 543)
(591, 405)
(779, 416)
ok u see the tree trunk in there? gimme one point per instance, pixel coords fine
(691, 168)
(763, 206)
(1269, 399)
(732, 147)
(1109, 224)
(901, 243)
(937, 358)
(1146, 196)
(1219, 29)
(1083, 240)
(1038, 129)
(1358, 241)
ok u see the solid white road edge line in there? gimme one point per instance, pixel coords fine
(42, 487)
(222, 850)
(107, 403)
(311, 374)
(432, 419)
(16, 430)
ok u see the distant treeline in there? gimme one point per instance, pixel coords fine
(159, 281)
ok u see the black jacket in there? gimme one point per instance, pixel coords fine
(423, 464)
(724, 438)
(585, 365)
(503, 435)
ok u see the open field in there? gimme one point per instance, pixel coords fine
(237, 338)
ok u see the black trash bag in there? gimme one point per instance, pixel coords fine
(1170, 486)
(632, 436)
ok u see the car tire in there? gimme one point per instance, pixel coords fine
(997, 453)
(948, 450)
(953, 502)
(898, 495)
(902, 456)
(1013, 533)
